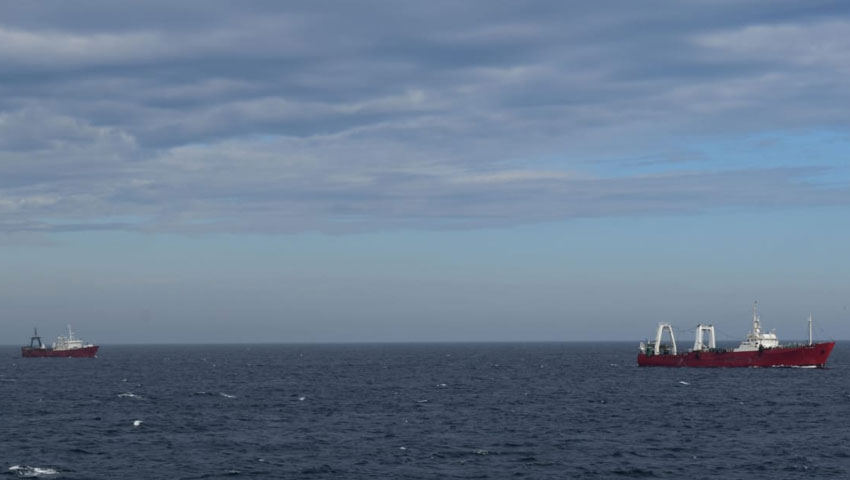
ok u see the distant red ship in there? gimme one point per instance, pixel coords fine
(63, 347)
(760, 349)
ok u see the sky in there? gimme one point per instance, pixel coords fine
(385, 171)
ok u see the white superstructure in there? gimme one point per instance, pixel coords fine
(69, 342)
(757, 339)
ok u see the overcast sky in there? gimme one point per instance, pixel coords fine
(422, 171)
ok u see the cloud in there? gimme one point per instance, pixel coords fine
(43, 49)
(281, 118)
(821, 43)
(241, 186)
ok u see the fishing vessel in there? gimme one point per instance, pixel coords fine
(69, 346)
(759, 349)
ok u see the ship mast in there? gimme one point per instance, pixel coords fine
(810, 328)
(756, 326)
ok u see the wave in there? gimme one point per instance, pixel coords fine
(31, 472)
(212, 394)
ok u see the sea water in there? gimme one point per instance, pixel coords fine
(429, 411)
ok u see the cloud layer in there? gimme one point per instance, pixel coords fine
(338, 117)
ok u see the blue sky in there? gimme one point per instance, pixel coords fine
(384, 171)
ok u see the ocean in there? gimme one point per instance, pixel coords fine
(417, 411)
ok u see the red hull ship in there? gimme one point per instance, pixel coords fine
(63, 347)
(760, 349)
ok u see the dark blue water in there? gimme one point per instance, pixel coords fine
(416, 411)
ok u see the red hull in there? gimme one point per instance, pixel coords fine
(798, 356)
(86, 352)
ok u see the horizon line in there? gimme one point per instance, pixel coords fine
(398, 342)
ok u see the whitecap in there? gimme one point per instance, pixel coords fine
(129, 395)
(137, 423)
(442, 385)
(227, 395)
(30, 472)
(683, 382)
(301, 399)
(422, 401)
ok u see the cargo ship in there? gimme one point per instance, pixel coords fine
(759, 349)
(69, 346)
